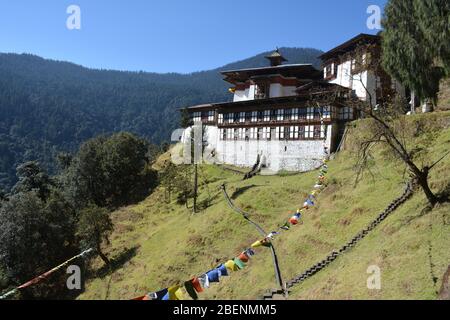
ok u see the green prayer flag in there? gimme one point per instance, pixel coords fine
(239, 263)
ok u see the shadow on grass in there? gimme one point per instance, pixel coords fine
(241, 191)
(116, 262)
(444, 195)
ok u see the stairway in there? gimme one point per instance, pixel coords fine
(407, 193)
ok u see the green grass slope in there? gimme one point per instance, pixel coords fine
(156, 244)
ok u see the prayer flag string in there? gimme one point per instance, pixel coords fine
(45, 275)
(198, 284)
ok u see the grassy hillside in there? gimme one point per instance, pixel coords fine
(444, 95)
(155, 244)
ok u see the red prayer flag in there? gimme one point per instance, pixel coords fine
(243, 257)
(197, 285)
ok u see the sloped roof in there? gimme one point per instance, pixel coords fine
(350, 45)
(301, 71)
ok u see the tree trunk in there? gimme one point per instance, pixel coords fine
(195, 187)
(422, 179)
(103, 256)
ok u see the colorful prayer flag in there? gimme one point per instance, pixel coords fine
(243, 257)
(213, 275)
(223, 270)
(197, 286)
(204, 281)
(238, 263)
(190, 290)
(293, 220)
(250, 252)
(231, 265)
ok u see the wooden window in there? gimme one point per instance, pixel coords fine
(280, 114)
(280, 133)
(211, 116)
(301, 132)
(260, 115)
(309, 132)
(261, 90)
(293, 132)
(317, 130)
(302, 113)
(310, 113)
(229, 134)
(197, 116)
(241, 117)
(359, 63)
(252, 133)
(236, 134)
(254, 116)
(326, 112)
(273, 115)
(346, 113)
(287, 114)
(317, 112)
(329, 70)
(266, 115)
(260, 133)
(286, 132)
(263, 134)
(220, 118)
(294, 114)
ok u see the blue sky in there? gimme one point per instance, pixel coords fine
(176, 35)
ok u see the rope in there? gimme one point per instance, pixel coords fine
(261, 231)
(241, 212)
(45, 275)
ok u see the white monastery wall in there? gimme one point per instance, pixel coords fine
(276, 155)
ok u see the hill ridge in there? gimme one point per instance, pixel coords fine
(51, 106)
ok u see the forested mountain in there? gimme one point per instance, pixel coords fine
(49, 106)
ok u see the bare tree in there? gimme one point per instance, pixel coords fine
(387, 124)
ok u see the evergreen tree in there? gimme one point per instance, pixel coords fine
(416, 44)
(94, 227)
(33, 177)
(110, 171)
(35, 236)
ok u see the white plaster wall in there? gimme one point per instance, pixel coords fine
(241, 95)
(289, 91)
(276, 90)
(359, 82)
(343, 76)
(300, 155)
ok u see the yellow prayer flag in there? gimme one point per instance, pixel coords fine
(179, 294)
(173, 293)
(230, 265)
(257, 244)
